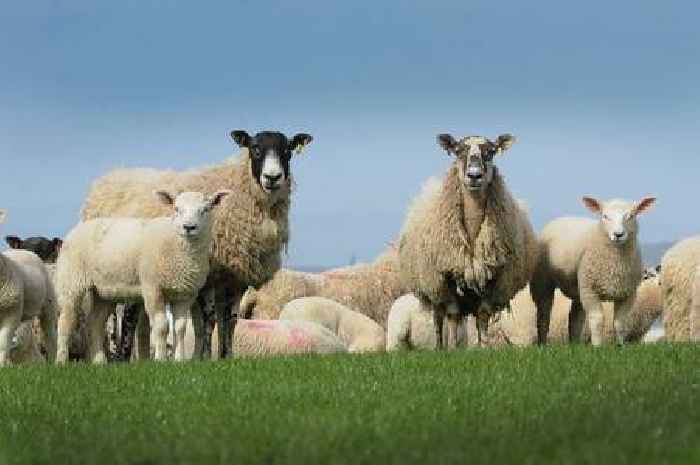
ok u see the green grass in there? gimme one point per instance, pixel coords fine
(560, 405)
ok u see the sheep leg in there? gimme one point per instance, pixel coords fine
(223, 318)
(482, 328)
(621, 319)
(198, 327)
(8, 326)
(67, 322)
(181, 312)
(593, 308)
(155, 308)
(438, 321)
(544, 299)
(47, 322)
(577, 321)
(96, 322)
(143, 338)
(130, 318)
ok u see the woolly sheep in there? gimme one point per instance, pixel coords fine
(369, 289)
(115, 259)
(410, 325)
(358, 332)
(679, 283)
(283, 337)
(46, 249)
(467, 246)
(26, 292)
(251, 230)
(591, 262)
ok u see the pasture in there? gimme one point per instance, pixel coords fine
(566, 404)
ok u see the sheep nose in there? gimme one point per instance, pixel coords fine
(474, 174)
(272, 178)
(189, 227)
(619, 235)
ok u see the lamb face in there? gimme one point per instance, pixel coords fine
(270, 153)
(618, 218)
(475, 156)
(192, 211)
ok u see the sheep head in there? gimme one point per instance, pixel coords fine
(192, 211)
(475, 156)
(618, 218)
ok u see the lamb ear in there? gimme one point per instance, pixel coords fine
(447, 142)
(14, 242)
(592, 204)
(165, 197)
(57, 244)
(241, 138)
(300, 141)
(504, 142)
(3, 215)
(658, 268)
(215, 199)
(644, 205)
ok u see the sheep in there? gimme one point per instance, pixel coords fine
(283, 337)
(679, 283)
(358, 332)
(26, 292)
(369, 289)
(25, 347)
(157, 260)
(46, 249)
(410, 325)
(591, 262)
(467, 246)
(249, 233)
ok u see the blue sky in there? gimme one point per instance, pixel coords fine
(603, 96)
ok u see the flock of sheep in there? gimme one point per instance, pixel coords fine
(187, 265)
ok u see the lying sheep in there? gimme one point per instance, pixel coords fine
(26, 292)
(410, 325)
(358, 332)
(367, 288)
(467, 246)
(248, 234)
(283, 337)
(591, 262)
(679, 283)
(46, 249)
(162, 260)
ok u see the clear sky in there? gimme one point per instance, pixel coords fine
(603, 96)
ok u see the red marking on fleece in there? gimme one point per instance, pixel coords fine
(260, 325)
(299, 339)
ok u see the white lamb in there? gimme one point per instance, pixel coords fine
(591, 262)
(156, 260)
(359, 332)
(410, 325)
(25, 292)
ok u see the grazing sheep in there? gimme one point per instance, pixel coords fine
(248, 234)
(369, 289)
(26, 292)
(679, 283)
(283, 337)
(410, 325)
(591, 262)
(467, 246)
(46, 249)
(359, 332)
(161, 260)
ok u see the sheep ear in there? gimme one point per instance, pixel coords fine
(644, 205)
(165, 198)
(3, 215)
(447, 142)
(14, 242)
(504, 142)
(658, 268)
(593, 205)
(300, 141)
(215, 199)
(57, 243)
(241, 138)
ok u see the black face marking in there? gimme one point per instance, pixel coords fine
(46, 249)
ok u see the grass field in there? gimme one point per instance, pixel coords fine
(561, 405)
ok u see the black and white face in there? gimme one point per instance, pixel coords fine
(46, 249)
(271, 153)
(475, 156)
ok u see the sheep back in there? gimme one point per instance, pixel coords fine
(678, 274)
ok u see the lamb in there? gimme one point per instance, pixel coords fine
(410, 326)
(46, 249)
(283, 337)
(591, 262)
(680, 288)
(26, 292)
(369, 289)
(467, 246)
(358, 332)
(248, 234)
(157, 260)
